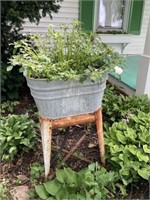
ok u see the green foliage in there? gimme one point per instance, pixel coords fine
(127, 147)
(13, 15)
(37, 171)
(13, 19)
(4, 190)
(117, 106)
(65, 54)
(17, 135)
(93, 182)
(11, 83)
(8, 106)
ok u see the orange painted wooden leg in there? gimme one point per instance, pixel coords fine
(46, 134)
(99, 126)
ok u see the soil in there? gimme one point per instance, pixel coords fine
(63, 140)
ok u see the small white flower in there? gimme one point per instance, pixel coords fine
(118, 70)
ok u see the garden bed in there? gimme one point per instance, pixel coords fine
(62, 142)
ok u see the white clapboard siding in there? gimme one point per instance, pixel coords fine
(69, 11)
(138, 42)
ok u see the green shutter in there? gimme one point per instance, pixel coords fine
(135, 17)
(86, 14)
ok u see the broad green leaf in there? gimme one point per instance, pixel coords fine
(135, 165)
(116, 159)
(91, 167)
(131, 134)
(9, 138)
(146, 148)
(71, 177)
(121, 156)
(124, 171)
(87, 194)
(133, 149)
(144, 173)
(141, 156)
(81, 196)
(121, 137)
(41, 192)
(62, 193)
(98, 196)
(61, 176)
(52, 187)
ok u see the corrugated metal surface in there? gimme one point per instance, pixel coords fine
(57, 99)
(138, 42)
(69, 11)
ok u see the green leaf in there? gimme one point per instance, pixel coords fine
(146, 148)
(144, 173)
(116, 159)
(122, 189)
(98, 196)
(133, 149)
(71, 176)
(91, 167)
(121, 137)
(12, 149)
(61, 175)
(41, 192)
(141, 156)
(62, 193)
(52, 187)
(135, 165)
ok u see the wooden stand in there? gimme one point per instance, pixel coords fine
(48, 124)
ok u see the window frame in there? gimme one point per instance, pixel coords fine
(88, 13)
(104, 30)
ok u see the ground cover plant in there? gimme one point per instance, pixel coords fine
(127, 147)
(93, 182)
(117, 106)
(120, 179)
(17, 135)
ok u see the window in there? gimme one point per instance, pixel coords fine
(113, 15)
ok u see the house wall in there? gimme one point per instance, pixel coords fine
(137, 43)
(69, 11)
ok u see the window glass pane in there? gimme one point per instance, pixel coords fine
(111, 13)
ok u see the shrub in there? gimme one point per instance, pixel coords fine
(127, 147)
(13, 15)
(17, 135)
(11, 83)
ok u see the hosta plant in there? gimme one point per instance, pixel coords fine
(93, 182)
(17, 135)
(127, 147)
(64, 54)
(117, 106)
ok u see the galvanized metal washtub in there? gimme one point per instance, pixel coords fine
(58, 98)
